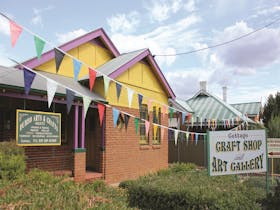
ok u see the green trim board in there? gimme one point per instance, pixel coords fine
(35, 128)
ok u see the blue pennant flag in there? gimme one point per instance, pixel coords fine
(140, 98)
(28, 80)
(183, 117)
(115, 116)
(77, 67)
(196, 138)
(119, 89)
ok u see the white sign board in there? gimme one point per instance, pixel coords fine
(236, 152)
(273, 147)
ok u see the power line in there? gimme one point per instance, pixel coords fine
(223, 43)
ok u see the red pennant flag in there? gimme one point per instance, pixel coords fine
(101, 108)
(15, 32)
(92, 76)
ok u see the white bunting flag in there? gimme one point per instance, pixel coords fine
(129, 96)
(86, 102)
(176, 132)
(51, 89)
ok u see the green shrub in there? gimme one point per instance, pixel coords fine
(12, 161)
(273, 199)
(185, 188)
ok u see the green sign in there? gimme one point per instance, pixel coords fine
(38, 128)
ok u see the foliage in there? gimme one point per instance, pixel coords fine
(271, 108)
(273, 199)
(41, 190)
(273, 127)
(191, 189)
(12, 160)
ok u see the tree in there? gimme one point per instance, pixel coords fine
(271, 115)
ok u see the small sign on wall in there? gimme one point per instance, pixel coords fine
(236, 152)
(35, 128)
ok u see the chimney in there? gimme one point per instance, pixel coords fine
(225, 94)
(202, 85)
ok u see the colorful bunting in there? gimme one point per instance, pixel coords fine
(101, 109)
(183, 117)
(115, 116)
(149, 104)
(201, 122)
(118, 89)
(136, 122)
(187, 137)
(192, 137)
(129, 96)
(189, 117)
(51, 89)
(86, 102)
(58, 58)
(69, 99)
(140, 98)
(106, 84)
(77, 67)
(28, 80)
(126, 119)
(147, 127)
(176, 132)
(192, 121)
(196, 138)
(92, 76)
(39, 45)
(15, 31)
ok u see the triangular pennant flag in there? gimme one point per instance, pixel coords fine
(129, 96)
(118, 89)
(164, 110)
(86, 102)
(189, 117)
(39, 45)
(115, 116)
(201, 122)
(183, 117)
(162, 133)
(149, 104)
(15, 31)
(92, 76)
(136, 122)
(187, 137)
(140, 98)
(101, 109)
(196, 138)
(77, 67)
(155, 130)
(176, 132)
(171, 111)
(69, 99)
(192, 137)
(147, 127)
(51, 88)
(58, 58)
(209, 122)
(106, 84)
(192, 121)
(126, 119)
(28, 80)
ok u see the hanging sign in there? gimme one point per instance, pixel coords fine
(236, 152)
(38, 128)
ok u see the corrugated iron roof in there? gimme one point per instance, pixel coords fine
(206, 105)
(180, 105)
(252, 108)
(14, 77)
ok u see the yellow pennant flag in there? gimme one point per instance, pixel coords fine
(155, 130)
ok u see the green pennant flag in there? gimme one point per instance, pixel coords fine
(39, 45)
(136, 121)
(171, 111)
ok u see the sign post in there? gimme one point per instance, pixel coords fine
(237, 152)
(38, 128)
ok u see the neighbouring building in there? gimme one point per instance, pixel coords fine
(115, 153)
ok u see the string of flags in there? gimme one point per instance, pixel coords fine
(29, 76)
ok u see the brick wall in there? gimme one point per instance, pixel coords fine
(125, 157)
(79, 166)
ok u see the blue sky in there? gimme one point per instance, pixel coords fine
(248, 67)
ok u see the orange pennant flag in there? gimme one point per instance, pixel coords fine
(101, 108)
(15, 31)
(92, 76)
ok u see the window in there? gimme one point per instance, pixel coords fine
(157, 120)
(144, 115)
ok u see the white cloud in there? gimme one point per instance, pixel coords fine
(190, 6)
(255, 51)
(37, 15)
(4, 26)
(124, 23)
(163, 9)
(62, 38)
